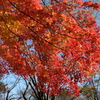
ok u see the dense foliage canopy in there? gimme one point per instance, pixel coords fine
(58, 42)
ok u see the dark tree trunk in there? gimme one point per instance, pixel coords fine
(52, 97)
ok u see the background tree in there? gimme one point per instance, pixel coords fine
(91, 88)
(3, 88)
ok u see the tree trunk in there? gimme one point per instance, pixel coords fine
(52, 97)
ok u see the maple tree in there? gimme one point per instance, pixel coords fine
(64, 46)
